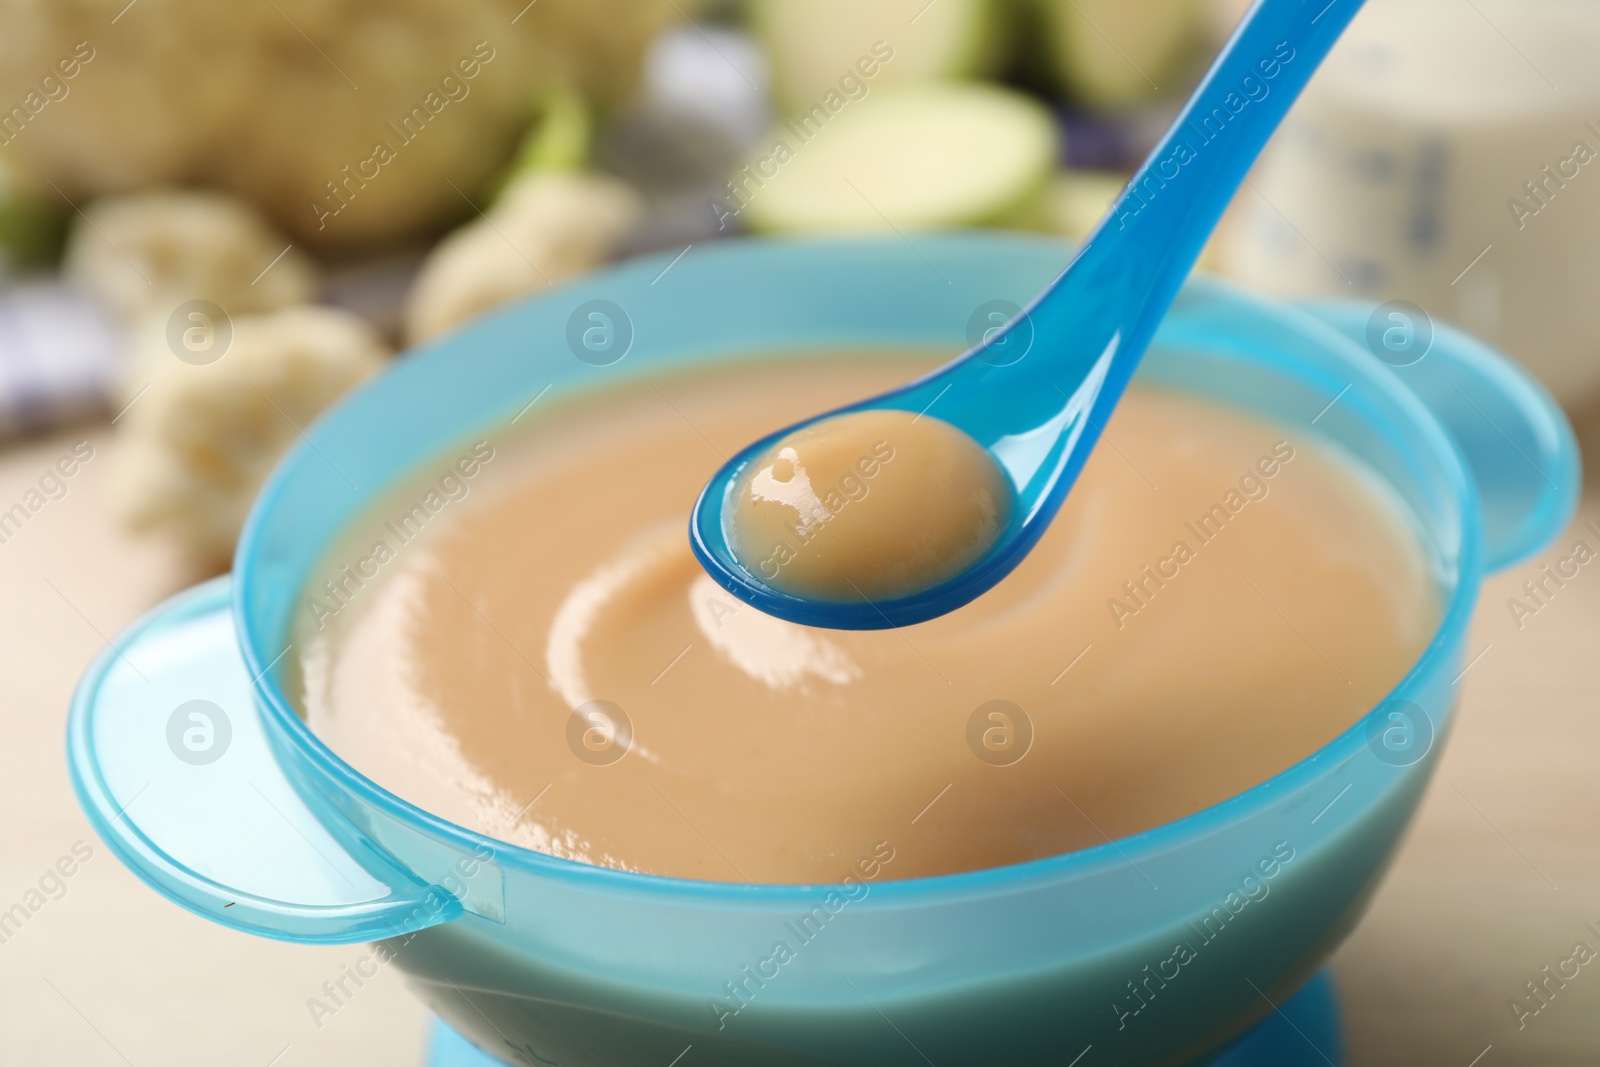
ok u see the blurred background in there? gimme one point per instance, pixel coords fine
(216, 219)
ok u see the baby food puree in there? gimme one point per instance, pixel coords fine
(827, 513)
(520, 641)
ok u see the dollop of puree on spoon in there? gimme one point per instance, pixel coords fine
(874, 504)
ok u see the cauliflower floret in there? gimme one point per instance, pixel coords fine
(545, 228)
(285, 102)
(199, 439)
(155, 250)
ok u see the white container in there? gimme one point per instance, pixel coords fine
(1448, 154)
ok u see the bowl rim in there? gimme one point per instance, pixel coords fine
(284, 725)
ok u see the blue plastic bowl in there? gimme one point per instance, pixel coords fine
(543, 961)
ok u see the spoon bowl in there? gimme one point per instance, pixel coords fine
(1036, 391)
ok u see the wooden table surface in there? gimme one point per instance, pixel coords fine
(1497, 878)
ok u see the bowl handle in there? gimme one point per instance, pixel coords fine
(170, 761)
(1513, 437)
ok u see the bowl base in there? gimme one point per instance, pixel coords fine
(1304, 1032)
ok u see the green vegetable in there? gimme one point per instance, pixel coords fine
(934, 154)
(812, 44)
(1115, 54)
(560, 138)
(32, 232)
(1078, 199)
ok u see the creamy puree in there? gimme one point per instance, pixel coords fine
(868, 505)
(1219, 597)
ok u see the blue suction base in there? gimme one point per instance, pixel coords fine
(1305, 1033)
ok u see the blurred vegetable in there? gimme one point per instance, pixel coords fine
(32, 230)
(198, 440)
(561, 137)
(546, 227)
(151, 251)
(812, 44)
(287, 102)
(30, 236)
(1115, 54)
(560, 140)
(935, 154)
(1078, 199)
(1221, 16)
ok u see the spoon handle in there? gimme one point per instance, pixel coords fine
(1039, 417)
(1102, 312)
(1098, 317)
(1155, 230)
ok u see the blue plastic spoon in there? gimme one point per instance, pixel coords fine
(1039, 413)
